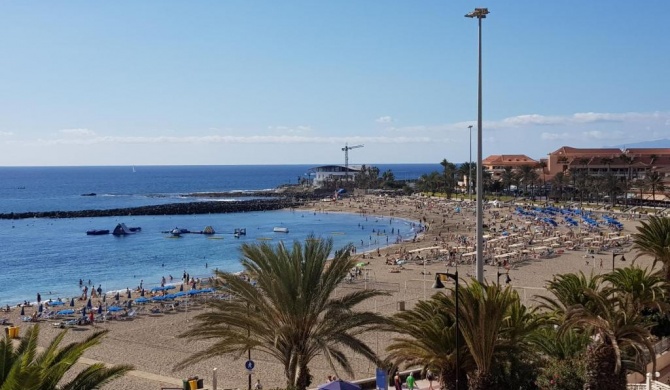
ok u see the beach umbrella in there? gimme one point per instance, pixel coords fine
(117, 296)
(158, 298)
(129, 295)
(23, 310)
(170, 287)
(100, 309)
(181, 287)
(114, 308)
(130, 304)
(65, 312)
(83, 311)
(142, 293)
(339, 385)
(89, 304)
(72, 302)
(104, 298)
(157, 288)
(40, 308)
(141, 300)
(56, 303)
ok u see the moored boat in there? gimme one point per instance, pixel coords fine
(280, 230)
(97, 232)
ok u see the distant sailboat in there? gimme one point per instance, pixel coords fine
(134, 169)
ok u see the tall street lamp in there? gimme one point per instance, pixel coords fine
(438, 284)
(479, 13)
(614, 255)
(470, 167)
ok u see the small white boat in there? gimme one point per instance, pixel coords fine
(280, 230)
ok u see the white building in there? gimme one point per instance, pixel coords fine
(324, 173)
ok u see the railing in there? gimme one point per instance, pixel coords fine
(655, 385)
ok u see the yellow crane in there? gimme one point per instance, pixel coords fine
(346, 150)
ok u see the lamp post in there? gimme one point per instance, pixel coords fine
(470, 167)
(479, 13)
(438, 284)
(614, 255)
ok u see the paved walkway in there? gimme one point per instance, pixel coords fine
(140, 374)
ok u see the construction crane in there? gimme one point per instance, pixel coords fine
(346, 150)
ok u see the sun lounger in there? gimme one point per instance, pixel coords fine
(4, 321)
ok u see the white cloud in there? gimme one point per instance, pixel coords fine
(385, 119)
(259, 139)
(300, 129)
(577, 119)
(555, 136)
(6, 133)
(77, 132)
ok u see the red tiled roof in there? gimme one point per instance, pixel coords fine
(568, 150)
(509, 159)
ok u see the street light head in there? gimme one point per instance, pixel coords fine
(479, 13)
(438, 282)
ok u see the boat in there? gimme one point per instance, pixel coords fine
(97, 232)
(176, 232)
(89, 194)
(123, 230)
(135, 229)
(240, 231)
(208, 230)
(280, 230)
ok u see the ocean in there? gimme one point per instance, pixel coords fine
(50, 256)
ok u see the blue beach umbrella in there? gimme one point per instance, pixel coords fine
(142, 293)
(56, 303)
(181, 287)
(83, 311)
(141, 300)
(65, 312)
(157, 288)
(40, 308)
(130, 304)
(170, 287)
(179, 294)
(104, 297)
(158, 298)
(23, 310)
(71, 302)
(114, 308)
(89, 304)
(100, 309)
(129, 296)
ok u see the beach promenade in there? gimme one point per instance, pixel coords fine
(527, 250)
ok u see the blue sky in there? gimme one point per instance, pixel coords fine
(290, 82)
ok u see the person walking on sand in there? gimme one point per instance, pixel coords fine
(396, 381)
(410, 382)
(431, 377)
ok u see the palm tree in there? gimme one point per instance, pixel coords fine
(607, 313)
(490, 321)
(653, 239)
(291, 312)
(428, 339)
(654, 181)
(449, 170)
(507, 178)
(542, 165)
(558, 184)
(24, 368)
(640, 288)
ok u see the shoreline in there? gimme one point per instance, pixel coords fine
(149, 341)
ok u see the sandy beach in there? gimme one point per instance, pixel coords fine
(529, 251)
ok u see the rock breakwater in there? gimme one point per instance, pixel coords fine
(168, 209)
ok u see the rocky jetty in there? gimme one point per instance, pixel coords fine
(169, 209)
